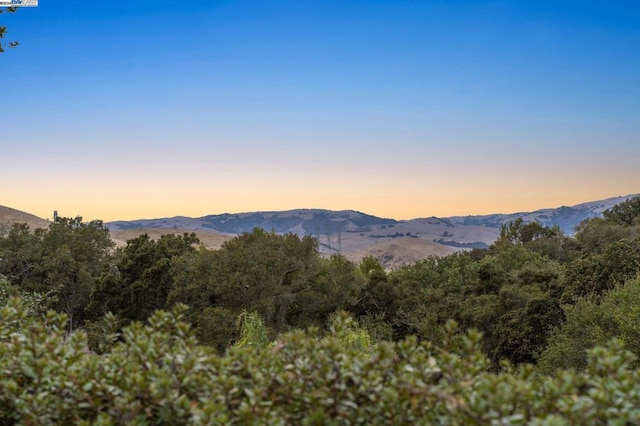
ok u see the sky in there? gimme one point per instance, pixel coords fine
(396, 108)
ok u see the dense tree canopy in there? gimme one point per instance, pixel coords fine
(139, 279)
(281, 277)
(626, 213)
(527, 294)
(64, 262)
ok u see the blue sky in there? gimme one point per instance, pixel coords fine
(123, 110)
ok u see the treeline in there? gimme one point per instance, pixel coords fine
(537, 296)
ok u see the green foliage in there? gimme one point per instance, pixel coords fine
(592, 321)
(18, 251)
(520, 310)
(64, 262)
(398, 303)
(595, 234)
(157, 374)
(252, 331)
(526, 317)
(623, 307)
(140, 279)
(510, 295)
(568, 344)
(596, 274)
(335, 286)
(349, 333)
(34, 304)
(282, 278)
(215, 327)
(376, 327)
(550, 242)
(537, 296)
(620, 221)
(73, 255)
(517, 232)
(264, 272)
(368, 265)
(195, 275)
(102, 334)
(626, 213)
(451, 273)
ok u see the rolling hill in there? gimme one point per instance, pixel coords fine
(357, 234)
(211, 240)
(335, 226)
(349, 232)
(402, 251)
(9, 216)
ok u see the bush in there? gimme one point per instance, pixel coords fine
(158, 374)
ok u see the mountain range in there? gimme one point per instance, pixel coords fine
(352, 233)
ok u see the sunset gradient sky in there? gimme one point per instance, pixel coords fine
(397, 108)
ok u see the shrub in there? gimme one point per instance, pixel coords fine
(157, 374)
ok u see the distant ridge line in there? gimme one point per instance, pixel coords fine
(350, 232)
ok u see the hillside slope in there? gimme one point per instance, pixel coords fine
(348, 230)
(402, 251)
(565, 217)
(9, 216)
(210, 239)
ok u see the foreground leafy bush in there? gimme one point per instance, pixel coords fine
(157, 374)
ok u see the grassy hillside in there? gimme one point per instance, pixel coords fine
(9, 216)
(212, 240)
(401, 251)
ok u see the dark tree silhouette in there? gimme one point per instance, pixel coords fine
(3, 31)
